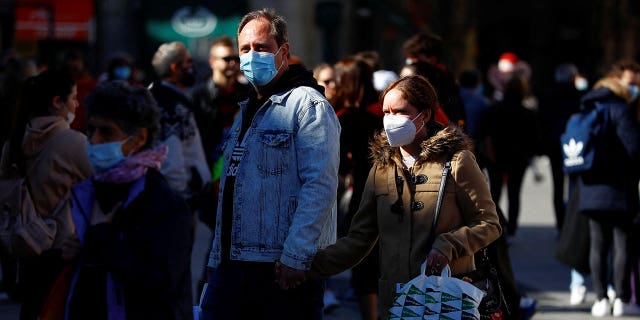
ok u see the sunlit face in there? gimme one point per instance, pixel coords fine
(224, 60)
(629, 77)
(326, 78)
(256, 35)
(394, 103)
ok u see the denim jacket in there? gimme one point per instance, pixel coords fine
(284, 204)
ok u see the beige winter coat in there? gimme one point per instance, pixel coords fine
(55, 160)
(467, 223)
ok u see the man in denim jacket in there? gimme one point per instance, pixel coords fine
(278, 187)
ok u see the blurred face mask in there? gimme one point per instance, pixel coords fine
(259, 67)
(103, 156)
(634, 90)
(400, 130)
(122, 73)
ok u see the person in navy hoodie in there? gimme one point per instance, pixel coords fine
(609, 191)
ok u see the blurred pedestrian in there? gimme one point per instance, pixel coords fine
(400, 195)
(121, 67)
(512, 132)
(136, 233)
(508, 66)
(355, 97)
(43, 148)
(428, 71)
(426, 47)
(74, 63)
(186, 167)
(381, 78)
(279, 185)
(14, 72)
(609, 192)
(324, 73)
(215, 102)
(562, 102)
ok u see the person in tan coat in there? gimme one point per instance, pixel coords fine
(53, 158)
(399, 198)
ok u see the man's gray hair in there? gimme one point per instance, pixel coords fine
(278, 24)
(167, 54)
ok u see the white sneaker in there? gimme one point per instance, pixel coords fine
(625, 309)
(330, 301)
(601, 308)
(611, 293)
(578, 295)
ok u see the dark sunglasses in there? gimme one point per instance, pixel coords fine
(230, 58)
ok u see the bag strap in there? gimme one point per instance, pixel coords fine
(436, 215)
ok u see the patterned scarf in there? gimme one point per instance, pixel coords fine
(135, 166)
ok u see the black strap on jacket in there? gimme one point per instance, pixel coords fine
(436, 215)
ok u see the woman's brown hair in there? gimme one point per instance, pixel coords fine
(418, 91)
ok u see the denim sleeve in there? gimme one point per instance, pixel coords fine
(317, 155)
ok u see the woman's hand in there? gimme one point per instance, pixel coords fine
(436, 261)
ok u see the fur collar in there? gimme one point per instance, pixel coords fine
(440, 142)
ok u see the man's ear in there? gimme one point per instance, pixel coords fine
(173, 68)
(285, 47)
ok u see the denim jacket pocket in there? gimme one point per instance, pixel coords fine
(274, 147)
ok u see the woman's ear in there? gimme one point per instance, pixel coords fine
(428, 113)
(57, 103)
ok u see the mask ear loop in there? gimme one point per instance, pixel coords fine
(423, 122)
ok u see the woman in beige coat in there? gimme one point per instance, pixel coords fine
(398, 202)
(53, 158)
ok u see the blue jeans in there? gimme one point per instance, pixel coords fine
(247, 290)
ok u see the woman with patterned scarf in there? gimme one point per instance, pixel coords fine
(136, 233)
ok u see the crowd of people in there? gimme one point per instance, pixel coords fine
(301, 175)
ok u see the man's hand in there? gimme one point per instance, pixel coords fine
(436, 261)
(287, 277)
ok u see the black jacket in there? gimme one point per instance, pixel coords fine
(613, 185)
(147, 250)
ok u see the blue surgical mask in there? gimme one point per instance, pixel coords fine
(122, 73)
(634, 90)
(259, 67)
(104, 156)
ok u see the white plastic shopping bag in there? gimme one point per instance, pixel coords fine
(436, 297)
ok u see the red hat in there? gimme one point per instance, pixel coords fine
(507, 62)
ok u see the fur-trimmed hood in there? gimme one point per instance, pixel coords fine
(440, 141)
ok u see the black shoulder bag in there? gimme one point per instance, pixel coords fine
(485, 277)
